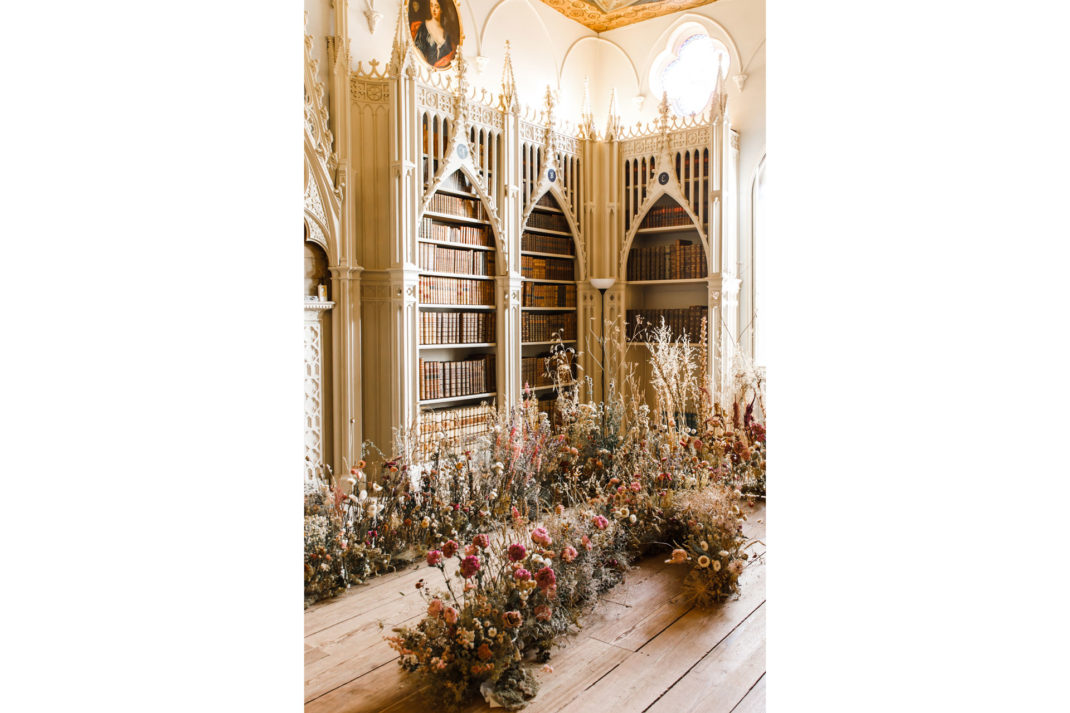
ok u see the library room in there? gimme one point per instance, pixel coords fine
(535, 418)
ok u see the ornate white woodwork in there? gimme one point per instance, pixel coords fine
(327, 176)
(316, 315)
(411, 127)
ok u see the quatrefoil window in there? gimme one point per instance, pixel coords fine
(687, 69)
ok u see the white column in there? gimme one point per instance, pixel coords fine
(316, 319)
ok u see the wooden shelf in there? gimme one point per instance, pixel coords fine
(458, 246)
(556, 255)
(546, 231)
(453, 399)
(456, 192)
(552, 386)
(539, 344)
(552, 282)
(682, 281)
(668, 229)
(461, 275)
(429, 305)
(470, 345)
(547, 209)
(455, 218)
(548, 309)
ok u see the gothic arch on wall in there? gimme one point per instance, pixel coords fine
(323, 201)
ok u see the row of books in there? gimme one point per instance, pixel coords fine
(455, 205)
(547, 268)
(549, 221)
(680, 320)
(680, 261)
(447, 379)
(539, 370)
(468, 262)
(460, 425)
(666, 216)
(460, 234)
(547, 200)
(544, 326)
(455, 291)
(456, 327)
(546, 244)
(535, 295)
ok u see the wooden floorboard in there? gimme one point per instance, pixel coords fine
(754, 702)
(642, 647)
(724, 676)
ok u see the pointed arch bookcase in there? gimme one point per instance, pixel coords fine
(458, 345)
(552, 267)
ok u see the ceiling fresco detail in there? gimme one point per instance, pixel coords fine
(602, 15)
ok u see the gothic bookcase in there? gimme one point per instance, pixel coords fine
(475, 220)
(550, 268)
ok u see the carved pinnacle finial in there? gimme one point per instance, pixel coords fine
(401, 42)
(613, 121)
(508, 97)
(663, 112)
(586, 115)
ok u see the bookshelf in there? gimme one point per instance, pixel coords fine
(457, 326)
(667, 278)
(549, 270)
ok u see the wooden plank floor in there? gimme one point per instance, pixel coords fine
(641, 648)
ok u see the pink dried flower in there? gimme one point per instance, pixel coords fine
(586, 542)
(517, 552)
(469, 566)
(540, 536)
(522, 575)
(450, 615)
(600, 522)
(512, 619)
(434, 557)
(636, 486)
(481, 541)
(435, 607)
(543, 612)
(569, 553)
(450, 548)
(470, 550)
(545, 577)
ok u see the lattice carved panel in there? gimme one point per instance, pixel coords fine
(313, 395)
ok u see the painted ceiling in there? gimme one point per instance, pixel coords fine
(602, 15)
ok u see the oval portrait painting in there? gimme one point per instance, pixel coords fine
(436, 30)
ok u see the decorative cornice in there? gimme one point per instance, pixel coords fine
(316, 305)
(602, 15)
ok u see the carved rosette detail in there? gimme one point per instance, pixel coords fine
(369, 91)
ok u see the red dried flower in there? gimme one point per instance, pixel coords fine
(469, 566)
(545, 577)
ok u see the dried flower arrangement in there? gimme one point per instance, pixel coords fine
(542, 514)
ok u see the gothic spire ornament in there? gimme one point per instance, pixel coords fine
(400, 50)
(508, 100)
(586, 115)
(613, 120)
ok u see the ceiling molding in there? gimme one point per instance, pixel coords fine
(602, 15)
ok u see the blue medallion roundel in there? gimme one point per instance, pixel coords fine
(462, 151)
(552, 175)
(663, 178)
